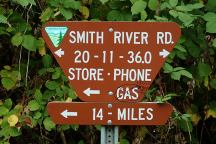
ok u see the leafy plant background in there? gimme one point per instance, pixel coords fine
(30, 77)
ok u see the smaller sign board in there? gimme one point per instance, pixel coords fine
(109, 113)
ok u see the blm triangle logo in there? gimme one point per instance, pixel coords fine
(56, 34)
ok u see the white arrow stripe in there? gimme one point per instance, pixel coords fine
(95, 91)
(89, 92)
(66, 114)
(72, 114)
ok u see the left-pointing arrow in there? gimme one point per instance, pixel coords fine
(89, 92)
(66, 114)
(59, 52)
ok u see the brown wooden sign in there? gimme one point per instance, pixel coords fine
(111, 61)
(109, 113)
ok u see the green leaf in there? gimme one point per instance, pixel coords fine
(59, 92)
(183, 8)
(212, 105)
(187, 19)
(33, 105)
(41, 46)
(193, 49)
(173, 3)
(72, 94)
(8, 83)
(66, 13)
(51, 70)
(48, 124)
(38, 95)
(173, 13)
(176, 75)
(7, 67)
(5, 73)
(84, 11)
(211, 26)
(204, 69)
(3, 19)
(210, 16)
(14, 132)
(153, 4)
(124, 141)
(46, 15)
(104, 1)
(17, 39)
(133, 1)
(71, 4)
(32, 2)
(23, 3)
(37, 115)
(180, 48)
(186, 73)
(211, 5)
(81, 142)
(115, 15)
(167, 68)
(138, 7)
(115, 4)
(195, 6)
(165, 5)
(56, 74)
(29, 42)
(3, 110)
(75, 127)
(51, 85)
(47, 61)
(143, 15)
(178, 68)
(185, 125)
(213, 83)
(8, 103)
(214, 43)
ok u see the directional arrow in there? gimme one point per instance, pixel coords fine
(88, 91)
(66, 114)
(164, 53)
(59, 52)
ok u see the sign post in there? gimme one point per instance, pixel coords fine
(110, 65)
(109, 134)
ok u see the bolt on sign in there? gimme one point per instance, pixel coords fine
(110, 62)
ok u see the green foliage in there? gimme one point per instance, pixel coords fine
(104, 1)
(9, 77)
(163, 99)
(29, 42)
(48, 124)
(211, 19)
(25, 3)
(204, 69)
(30, 77)
(176, 72)
(33, 105)
(138, 7)
(17, 39)
(3, 19)
(51, 85)
(153, 4)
